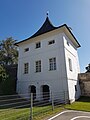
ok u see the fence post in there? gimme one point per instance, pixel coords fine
(52, 101)
(31, 107)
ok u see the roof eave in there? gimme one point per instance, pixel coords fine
(72, 35)
(64, 25)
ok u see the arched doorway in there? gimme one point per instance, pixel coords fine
(46, 92)
(33, 90)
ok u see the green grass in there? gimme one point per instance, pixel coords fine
(13, 114)
(47, 112)
(39, 113)
(83, 104)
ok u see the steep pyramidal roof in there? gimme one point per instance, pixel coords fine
(46, 27)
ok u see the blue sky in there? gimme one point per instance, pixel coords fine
(22, 18)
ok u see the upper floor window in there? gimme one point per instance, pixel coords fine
(51, 42)
(52, 64)
(70, 64)
(38, 44)
(26, 68)
(26, 49)
(38, 66)
(67, 43)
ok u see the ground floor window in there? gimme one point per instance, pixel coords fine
(32, 89)
(45, 92)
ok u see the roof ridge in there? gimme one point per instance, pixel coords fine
(46, 27)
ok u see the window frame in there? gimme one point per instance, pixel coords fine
(26, 49)
(38, 45)
(52, 64)
(76, 88)
(26, 68)
(51, 42)
(38, 66)
(68, 43)
(70, 64)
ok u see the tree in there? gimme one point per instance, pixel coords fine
(3, 74)
(88, 68)
(8, 58)
(8, 52)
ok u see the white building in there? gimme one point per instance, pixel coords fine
(48, 62)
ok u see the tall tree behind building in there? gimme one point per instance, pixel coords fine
(8, 52)
(8, 66)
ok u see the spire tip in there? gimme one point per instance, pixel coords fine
(47, 13)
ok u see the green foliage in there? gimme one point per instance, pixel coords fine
(8, 51)
(7, 86)
(3, 74)
(7, 80)
(8, 56)
(3, 77)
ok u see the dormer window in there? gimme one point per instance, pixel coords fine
(26, 49)
(38, 45)
(51, 42)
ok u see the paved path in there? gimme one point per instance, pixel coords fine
(71, 115)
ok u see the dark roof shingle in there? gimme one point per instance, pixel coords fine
(46, 27)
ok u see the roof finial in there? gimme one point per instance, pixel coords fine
(47, 13)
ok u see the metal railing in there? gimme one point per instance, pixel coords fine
(15, 107)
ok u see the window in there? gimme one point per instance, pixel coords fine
(51, 42)
(26, 49)
(70, 64)
(26, 67)
(67, 43)
(38, 45)
(75, 87)
(52, 64)
(38, 66)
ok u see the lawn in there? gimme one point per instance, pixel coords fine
(40, 113)
(83, 104)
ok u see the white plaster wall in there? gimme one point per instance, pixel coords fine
(59, 80)
(72, 76)
(56, 79)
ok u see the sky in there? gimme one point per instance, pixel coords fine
(22, 18)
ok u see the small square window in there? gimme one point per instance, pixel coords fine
(51, 42)
(26, 49)
(38, 45)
